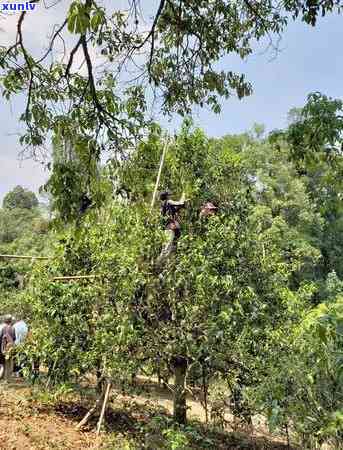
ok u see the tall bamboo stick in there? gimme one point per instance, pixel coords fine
(159, 174)
(74, 277)
(23, 257)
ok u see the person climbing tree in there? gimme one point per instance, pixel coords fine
(170, 209)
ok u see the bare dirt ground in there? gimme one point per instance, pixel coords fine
(26, 426)
(30, 423)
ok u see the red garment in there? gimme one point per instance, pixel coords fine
(208, 209)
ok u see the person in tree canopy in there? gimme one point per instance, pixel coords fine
(170, 209)
(208, 209)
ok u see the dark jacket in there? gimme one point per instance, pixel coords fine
(7, 333)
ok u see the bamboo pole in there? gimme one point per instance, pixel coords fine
(74, 277)
(24, 257)
(103, 407)
(159, 174)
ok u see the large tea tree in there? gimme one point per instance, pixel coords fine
(211, 307)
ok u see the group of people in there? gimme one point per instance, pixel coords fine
(12, 333)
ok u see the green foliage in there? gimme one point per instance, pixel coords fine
(23, 231)
(78, 17)
(284, 212)
(309, 12)
(316, 131)
(305, 388)
(251, 300)
(227, 287)
(19, 228)
(176, 57)
(315, 138)
(20, 198)
(113, 251)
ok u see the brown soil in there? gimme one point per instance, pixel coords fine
(23, 426)
(29, 424)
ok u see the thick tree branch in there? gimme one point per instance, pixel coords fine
(101, 110)
(28, 63)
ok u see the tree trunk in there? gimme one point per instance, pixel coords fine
(179, 365)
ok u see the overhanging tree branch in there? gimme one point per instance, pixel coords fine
(71, 58)
(153, 28)
(54, 36)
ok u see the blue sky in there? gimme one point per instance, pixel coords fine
(310, 60)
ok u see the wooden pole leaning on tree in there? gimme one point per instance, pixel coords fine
(104, 399)
(66, 278)
(88, 415)
(103, 409)
(159, 173)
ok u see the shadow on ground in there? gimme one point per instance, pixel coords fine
(141, 420)
(143, 423)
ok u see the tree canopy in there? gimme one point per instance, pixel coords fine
(136, 57)
(20, 198)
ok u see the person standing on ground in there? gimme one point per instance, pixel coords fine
(2, 358)
(21, 329)
(7, 341)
